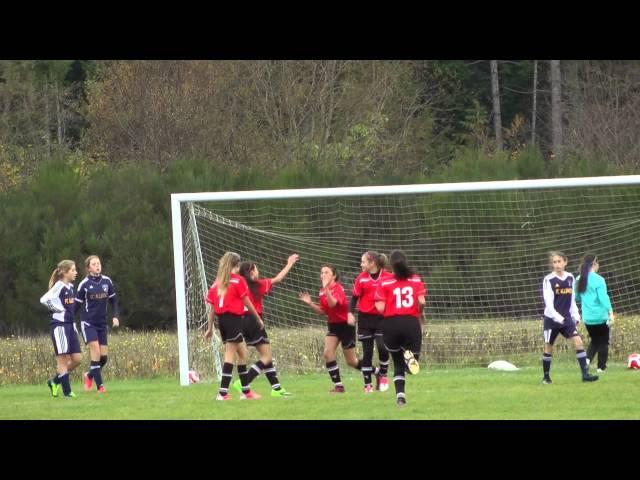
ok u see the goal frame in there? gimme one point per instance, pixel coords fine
(177, 199)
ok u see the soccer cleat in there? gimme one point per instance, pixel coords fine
(368, 389)
(88, 382)
(280, 393)
(600, 370)
(589, 378)
(337, 389)
(250, 396)
(546, 380)
(412, 364)
(237, 385)
(102, 389)
(401, 401)
(71, 395)
(53, 387)
(224, 397)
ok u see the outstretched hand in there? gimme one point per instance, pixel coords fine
(305, 297)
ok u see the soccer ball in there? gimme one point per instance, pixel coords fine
(633, 361)
(193, 376)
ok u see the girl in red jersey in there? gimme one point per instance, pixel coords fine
(333, 303)
(401, 299)
(255, 336)
(369, 319)
(229, 296)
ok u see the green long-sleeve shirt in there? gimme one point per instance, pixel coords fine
(595, 302)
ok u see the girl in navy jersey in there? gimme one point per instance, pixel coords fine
(254, 336)
(94, 293)
(228, 297)
(333, 304)
(561, 315)
(369, 319)
(60, 302)
(400, 299)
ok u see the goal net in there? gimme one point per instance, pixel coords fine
(481, 249)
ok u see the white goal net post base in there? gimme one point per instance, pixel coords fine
(209, 223)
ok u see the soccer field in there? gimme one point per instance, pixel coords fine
(461, 394)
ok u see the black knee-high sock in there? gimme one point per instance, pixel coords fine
(398, 374)
(546, 364)
(66, 385)
(367, 359)
(95, 373)
(103, 360)
(56, 379)
(581, 356)
(255, 370)
(334, 372)
(272, 376)
(383, 355)
(244, 378)
(227, 369)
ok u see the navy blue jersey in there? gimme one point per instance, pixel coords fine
(60, 302)
(559, 297)
(92, 297)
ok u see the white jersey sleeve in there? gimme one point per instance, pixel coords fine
(51, 299)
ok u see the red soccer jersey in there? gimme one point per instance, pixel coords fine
(232, 300)
(337, 314)
(264, 287)
(365, 287)
(401, 296)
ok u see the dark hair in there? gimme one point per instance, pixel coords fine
(587, 263)
(379, 258)
(332, 268)
(399, 264)
(245, 270)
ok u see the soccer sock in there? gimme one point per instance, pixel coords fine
(95, 373)
(546, 364)
(227, 369)
(398, 374)
(244, 378)
(272, 376)
(367, 358)
(334, 372)
(64, 380)
(383, 355)
(103, 360)
(255, 370)
(56, 379)
(581, 355)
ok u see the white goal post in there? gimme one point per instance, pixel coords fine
(185, 228)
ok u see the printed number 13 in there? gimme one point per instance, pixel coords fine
(404, 297)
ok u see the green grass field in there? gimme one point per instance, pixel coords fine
(460, 394)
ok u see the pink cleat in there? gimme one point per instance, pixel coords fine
(250, 396)
(221, 397)
(102, 389)
(368, 389)
(383, 383)
(337, 389)
(88, 382)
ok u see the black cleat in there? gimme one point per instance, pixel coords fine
(401, 401)
(589, 378)
(546, 381)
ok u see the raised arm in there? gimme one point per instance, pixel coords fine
(283, 273)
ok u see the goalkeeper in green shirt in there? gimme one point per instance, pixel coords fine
(597, 312)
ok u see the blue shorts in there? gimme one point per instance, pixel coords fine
(65, 339)
(92, 333)
(552, 329)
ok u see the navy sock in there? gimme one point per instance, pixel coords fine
(95, 373)
(581, 355)
(103, 360)
(546, 364)
(64, 380)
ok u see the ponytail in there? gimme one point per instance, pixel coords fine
(227, 263)
(585, 268)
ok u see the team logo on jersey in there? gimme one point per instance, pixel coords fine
(105, 288)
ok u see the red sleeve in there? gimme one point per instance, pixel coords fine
(211, 296)
(339, 295)
(266, 285)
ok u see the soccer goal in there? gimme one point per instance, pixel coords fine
(480, 247)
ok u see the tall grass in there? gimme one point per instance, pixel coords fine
(149, 354)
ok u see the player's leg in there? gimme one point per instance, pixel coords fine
(603, 349)
(365, 336)
(550, 334)
(382, 383)
(331, 341)
(592, 348)
(581, 355)
(230, 327)
(63, 375)
(393, 343)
